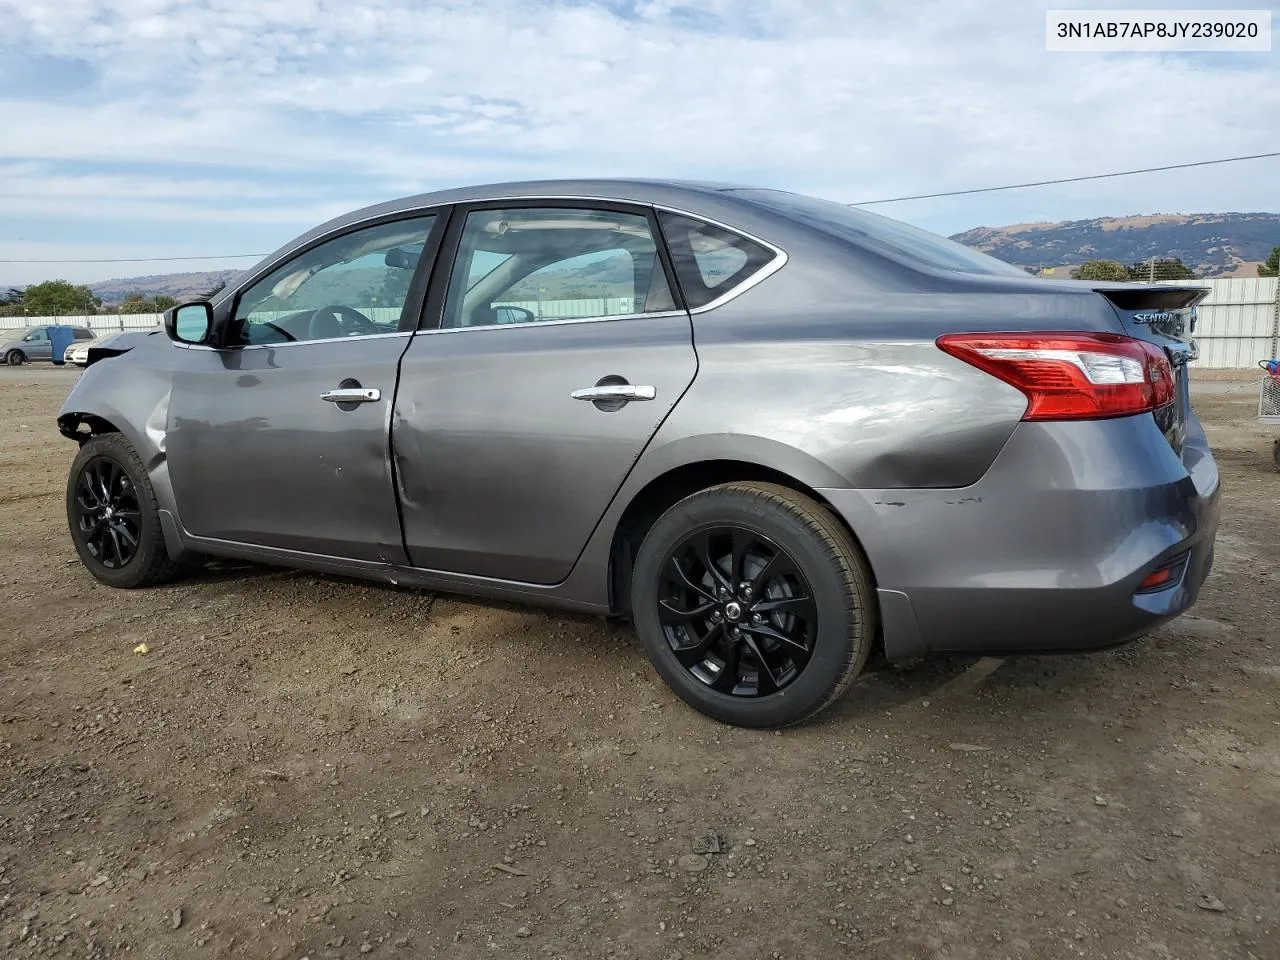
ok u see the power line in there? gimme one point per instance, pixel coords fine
(212, 256)
(860, 203)
(1046, 183)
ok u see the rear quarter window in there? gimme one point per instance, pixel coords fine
(710, 261)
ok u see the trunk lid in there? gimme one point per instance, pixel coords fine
(1166, 316)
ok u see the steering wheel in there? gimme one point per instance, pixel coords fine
(339, 321)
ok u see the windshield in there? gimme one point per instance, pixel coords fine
(881, 234)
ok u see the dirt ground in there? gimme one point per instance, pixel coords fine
(303, 766)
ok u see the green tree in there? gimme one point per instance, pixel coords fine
(210, 294)
(55, 298)
(395, 288)
(1271, 268)
(11, 303)
(137, 303)
(1163, 268)
(1100, 270)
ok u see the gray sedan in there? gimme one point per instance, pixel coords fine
(772, 431)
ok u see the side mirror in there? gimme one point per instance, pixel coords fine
(189, 322)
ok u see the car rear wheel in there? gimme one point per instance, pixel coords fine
(113, 515)
(754, 604)
(15, 358)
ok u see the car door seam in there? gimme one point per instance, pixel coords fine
(638, 457)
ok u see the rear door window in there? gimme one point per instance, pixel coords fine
(532, 264)
(710, 261)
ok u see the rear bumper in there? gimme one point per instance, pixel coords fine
(1047, 551)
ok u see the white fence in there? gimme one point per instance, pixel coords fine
(1238, 325)
(100, 323)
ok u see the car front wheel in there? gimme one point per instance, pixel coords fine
(15, 358)
(113, 515)
(754, 603)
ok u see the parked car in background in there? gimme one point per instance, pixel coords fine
(772, 431)
(78, 352)
(20, 346)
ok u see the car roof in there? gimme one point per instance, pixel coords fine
(692, 195)
(639, 190)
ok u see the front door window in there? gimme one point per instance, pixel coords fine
(354, 285)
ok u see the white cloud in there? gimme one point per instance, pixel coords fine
(848, 100)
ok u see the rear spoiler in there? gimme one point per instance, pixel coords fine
(1153, 297)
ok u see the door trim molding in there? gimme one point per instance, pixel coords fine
(539, 324)
(397, 575)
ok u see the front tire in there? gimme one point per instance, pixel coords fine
(114, 517)
(754, 604)
(15, 358)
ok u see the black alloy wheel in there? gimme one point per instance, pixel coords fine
(754, 603)
(737, 611)
(114, 517)
(107, 513)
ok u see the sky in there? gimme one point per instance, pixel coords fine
(149, 128)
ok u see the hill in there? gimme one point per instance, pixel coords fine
(1212, 244)
(180, 286)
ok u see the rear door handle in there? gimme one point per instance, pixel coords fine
(352, 395)
(616, 391)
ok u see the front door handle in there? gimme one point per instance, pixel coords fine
(615, 391)
(352, 395)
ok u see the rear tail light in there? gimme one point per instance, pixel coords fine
(1071, 376)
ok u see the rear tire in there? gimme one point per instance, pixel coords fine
(114, 517)
(15, 358)
(1275, 453)
(754, 603)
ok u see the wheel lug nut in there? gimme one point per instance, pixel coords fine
(756, 618)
